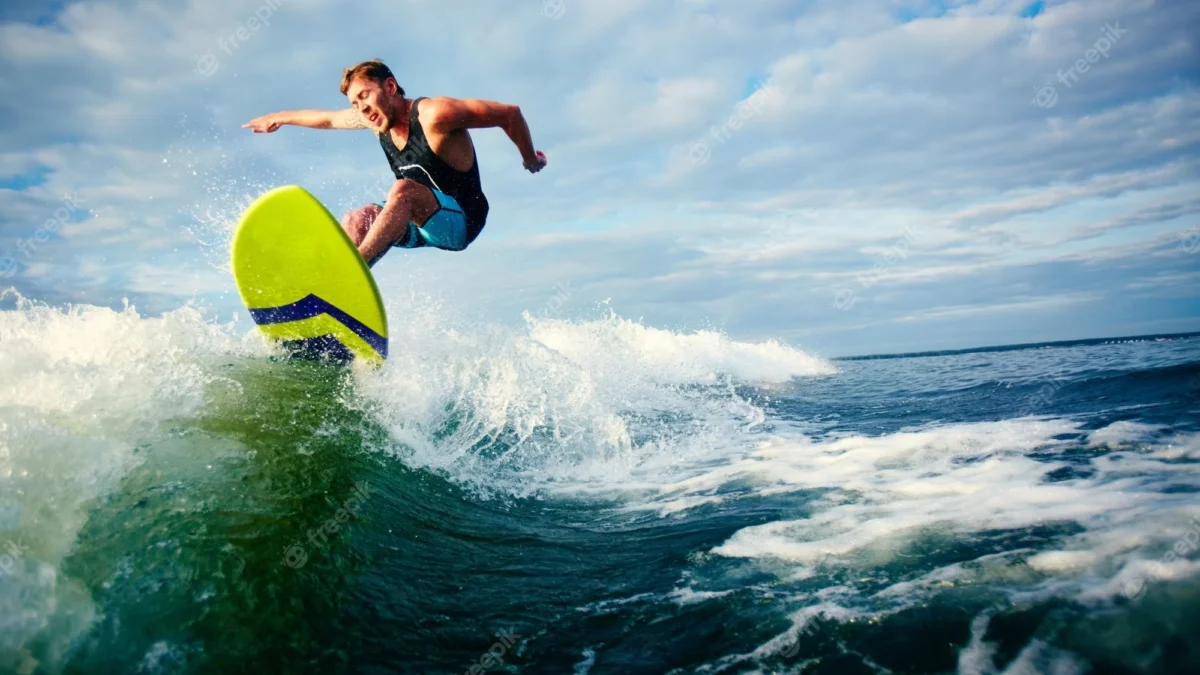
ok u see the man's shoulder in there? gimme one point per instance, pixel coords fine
(438, 113)
(433, 106)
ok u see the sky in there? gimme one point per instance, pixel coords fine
(846, 176)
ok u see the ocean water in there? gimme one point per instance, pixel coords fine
(589, 497)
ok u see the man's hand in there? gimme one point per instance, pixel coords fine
(265, 124)
(537, 163)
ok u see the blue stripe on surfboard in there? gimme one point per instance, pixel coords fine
(312, 305)
(324, 347)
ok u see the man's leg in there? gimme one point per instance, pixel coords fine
(357, 223)
(407, 202)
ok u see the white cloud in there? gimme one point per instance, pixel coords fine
(879, 125)
(974, 311)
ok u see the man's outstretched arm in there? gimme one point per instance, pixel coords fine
(450, 114)
(313, 119)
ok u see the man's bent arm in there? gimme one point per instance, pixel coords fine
(472, 113)
(518, 130)
(313, 119)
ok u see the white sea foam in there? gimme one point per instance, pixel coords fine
(1035, 658)
(690, 596)
(651, 419)
(567, 406)
(875, 497)
(954, 479)
(654, 420)
(617, 345)
(1123, 433)
(79, 390)
(1180, 446)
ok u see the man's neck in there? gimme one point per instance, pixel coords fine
(399, 130)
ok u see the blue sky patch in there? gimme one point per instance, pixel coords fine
(930, 9)
(753, 84)
(25, 180)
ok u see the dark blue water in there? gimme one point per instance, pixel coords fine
(593, 498)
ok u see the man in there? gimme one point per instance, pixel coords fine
(436, 199)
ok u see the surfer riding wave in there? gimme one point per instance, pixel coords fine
(437, 199)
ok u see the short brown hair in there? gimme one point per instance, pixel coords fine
(373, 70)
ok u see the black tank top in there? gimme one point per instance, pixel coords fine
(418, 162)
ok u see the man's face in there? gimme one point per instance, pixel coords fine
(374, 102)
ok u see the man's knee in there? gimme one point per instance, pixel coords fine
(355, 220)
(357, 223)
(404, 190)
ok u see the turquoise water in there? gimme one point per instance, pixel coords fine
(590, 497)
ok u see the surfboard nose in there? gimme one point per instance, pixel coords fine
(303, 280)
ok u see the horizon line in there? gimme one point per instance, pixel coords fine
(1015, 347)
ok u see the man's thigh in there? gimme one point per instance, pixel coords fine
(443, 227)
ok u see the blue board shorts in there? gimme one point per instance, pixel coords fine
(445, 229)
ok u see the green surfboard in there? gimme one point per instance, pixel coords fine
(304, 282)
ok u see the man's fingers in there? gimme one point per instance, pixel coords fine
(260, 125)
(538, 163)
